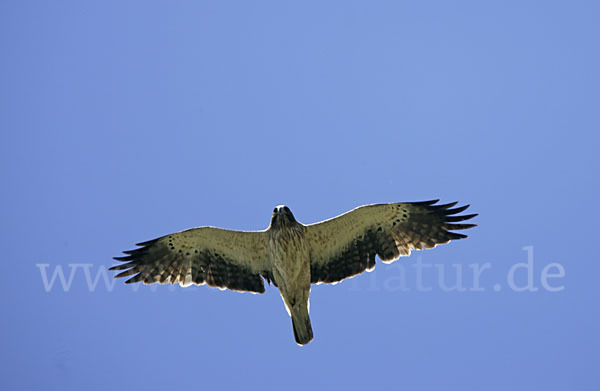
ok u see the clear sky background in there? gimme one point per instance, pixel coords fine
(125, 120)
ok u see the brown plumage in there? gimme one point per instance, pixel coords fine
(293, 255)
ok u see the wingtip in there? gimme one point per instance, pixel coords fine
(452, 219)
(426, 203)
(147, 242)
(457, 236)
(454, 211)
(452, 227)
(444, 206)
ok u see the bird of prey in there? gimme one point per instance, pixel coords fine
(292, 255)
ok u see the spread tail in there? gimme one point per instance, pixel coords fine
(301, 324)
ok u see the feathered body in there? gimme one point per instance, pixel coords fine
(293, 255)
(289, 254)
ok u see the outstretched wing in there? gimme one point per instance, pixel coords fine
(207, 255)
(346, 245)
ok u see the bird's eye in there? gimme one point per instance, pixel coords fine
(286, 209)
(275, 210)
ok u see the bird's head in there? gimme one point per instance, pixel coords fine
(282, 216)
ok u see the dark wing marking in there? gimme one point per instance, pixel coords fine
(219, 258)
(346, 245)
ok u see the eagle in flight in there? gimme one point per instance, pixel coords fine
(292, 255)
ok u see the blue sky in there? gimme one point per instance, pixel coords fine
(125, 120)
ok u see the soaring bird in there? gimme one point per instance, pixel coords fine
(293, 255)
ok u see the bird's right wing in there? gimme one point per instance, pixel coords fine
(207, 255)
(346, 245)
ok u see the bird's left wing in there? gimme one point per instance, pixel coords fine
(207, 255)
(346, 245)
